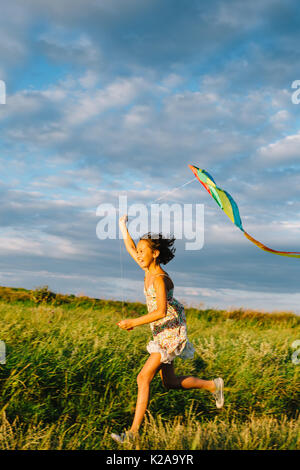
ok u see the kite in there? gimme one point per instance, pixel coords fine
(229, 206)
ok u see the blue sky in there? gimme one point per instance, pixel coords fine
(115, 97)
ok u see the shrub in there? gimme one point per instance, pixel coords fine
(42, 295)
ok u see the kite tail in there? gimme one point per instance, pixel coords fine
(292, 254)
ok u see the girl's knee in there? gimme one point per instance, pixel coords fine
(143, 378)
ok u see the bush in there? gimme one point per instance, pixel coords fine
(42, 295)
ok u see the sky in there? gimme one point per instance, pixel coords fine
(110, 98)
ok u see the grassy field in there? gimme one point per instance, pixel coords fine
(70, 377)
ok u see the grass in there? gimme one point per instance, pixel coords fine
(70, 377)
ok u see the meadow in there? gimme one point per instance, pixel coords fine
(70, 377)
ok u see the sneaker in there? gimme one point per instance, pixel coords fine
(123, 437)
(219, 393)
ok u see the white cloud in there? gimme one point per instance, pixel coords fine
(89, 79)
(21, 103)
(282, 152)
(139, 116)
(280, 119)
(37, 243)
(81, 50)
(236, 298)
(172, 80)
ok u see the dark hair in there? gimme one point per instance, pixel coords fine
(164, 245)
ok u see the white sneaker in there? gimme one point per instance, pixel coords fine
(219, 393)
(124, 437)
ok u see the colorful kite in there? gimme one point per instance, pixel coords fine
(229, 206)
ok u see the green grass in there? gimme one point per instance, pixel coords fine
(70, 378)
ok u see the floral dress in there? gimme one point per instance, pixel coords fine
(170, 332)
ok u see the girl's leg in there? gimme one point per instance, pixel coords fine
(144, 379)
(170, 380)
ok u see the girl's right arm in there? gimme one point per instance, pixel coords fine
(129, 243)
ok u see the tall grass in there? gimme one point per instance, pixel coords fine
(70, 378)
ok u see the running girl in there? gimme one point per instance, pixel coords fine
(168, 325)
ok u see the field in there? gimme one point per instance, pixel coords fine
(70, 377)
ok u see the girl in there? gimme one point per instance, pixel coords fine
(167, 322)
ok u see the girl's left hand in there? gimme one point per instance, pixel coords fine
(127, 324)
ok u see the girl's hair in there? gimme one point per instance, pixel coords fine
(164, 245)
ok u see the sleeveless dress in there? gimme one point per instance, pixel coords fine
(170, 332)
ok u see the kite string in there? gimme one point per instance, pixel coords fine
(173, 190)
(169, 192)
(122, 284)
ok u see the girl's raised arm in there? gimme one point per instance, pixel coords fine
(129, 243)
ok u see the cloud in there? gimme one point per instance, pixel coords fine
(283, 152)
(81, 51)
(109, 97)
(37, 244)
(234, 298)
